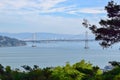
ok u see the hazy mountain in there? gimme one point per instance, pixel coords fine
(42, 36)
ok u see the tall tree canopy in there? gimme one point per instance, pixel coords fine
(109, 32)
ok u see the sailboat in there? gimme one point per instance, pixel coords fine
(34, 38)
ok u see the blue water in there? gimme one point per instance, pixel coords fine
(57, 54)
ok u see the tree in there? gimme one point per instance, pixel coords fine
(109, 32)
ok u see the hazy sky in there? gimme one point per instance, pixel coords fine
(54, 16)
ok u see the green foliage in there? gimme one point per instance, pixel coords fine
(112, 75)
(66, 73)
(117, 77)
(79, 71)
(82, 64)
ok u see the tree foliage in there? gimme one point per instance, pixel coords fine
(79, 71)
(109, 32)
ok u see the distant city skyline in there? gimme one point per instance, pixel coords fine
(52, 16)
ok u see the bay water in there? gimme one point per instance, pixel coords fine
(57, 54)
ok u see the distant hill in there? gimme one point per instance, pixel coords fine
(10, 42)
(43, 36)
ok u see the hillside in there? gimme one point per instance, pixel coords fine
(10, 42)
(44, 36)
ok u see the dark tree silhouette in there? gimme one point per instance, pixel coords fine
(114, 63)
(109, 32)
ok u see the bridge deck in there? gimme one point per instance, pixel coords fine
(60, 40)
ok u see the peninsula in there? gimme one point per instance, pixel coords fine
(10, 42)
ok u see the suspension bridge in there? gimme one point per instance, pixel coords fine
(34, 40)
(58, 40)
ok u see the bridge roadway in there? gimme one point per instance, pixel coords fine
(59, 40)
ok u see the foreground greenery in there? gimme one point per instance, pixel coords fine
(78, 71)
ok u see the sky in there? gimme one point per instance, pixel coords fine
(51, 16)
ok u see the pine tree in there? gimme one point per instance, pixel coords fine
(109, 32)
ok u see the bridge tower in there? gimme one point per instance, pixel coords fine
(86, 25)
(86, 40)
(34, 38)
